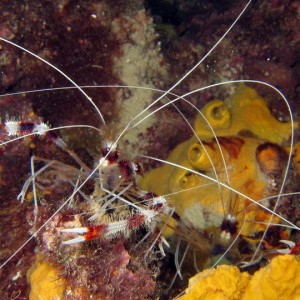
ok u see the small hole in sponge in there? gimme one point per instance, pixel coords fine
(218, 112)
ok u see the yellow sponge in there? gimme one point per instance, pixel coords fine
(223, 283)
(280, 280)
(45, 281)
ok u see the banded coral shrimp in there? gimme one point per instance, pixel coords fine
(56, 111)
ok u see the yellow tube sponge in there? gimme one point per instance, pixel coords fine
(244, 112)
(278, 280)
(45, 281)
(204, 156)
(217, 114)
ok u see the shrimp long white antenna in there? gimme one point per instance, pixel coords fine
(271, 224)
(63, 88)
(59, 71)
